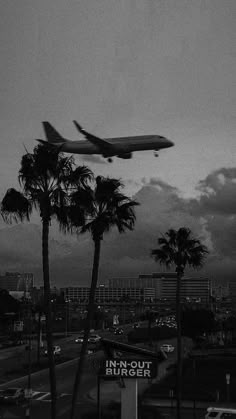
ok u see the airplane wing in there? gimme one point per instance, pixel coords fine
(105, 147)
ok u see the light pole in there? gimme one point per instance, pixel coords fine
(29, 391)
(227, 377)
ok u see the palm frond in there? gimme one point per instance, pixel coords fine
(104, 207)
(180, 248)
(81, 176)
(15, 206)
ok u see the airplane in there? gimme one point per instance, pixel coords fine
(121, 147)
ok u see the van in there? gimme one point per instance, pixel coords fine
(220, 413)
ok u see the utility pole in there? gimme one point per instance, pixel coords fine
(29, 390)
(227, 376)
(67, 308)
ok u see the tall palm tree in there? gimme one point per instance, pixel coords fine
(44, 177)
(181, 249)
(106, 208)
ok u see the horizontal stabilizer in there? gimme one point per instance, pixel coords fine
(52, 134)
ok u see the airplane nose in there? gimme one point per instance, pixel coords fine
(169, 143)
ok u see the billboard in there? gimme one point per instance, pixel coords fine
(129, 368)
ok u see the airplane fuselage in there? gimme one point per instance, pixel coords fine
(118, 145)
(122, 147)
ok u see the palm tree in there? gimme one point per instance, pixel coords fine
(44, 177)
(106, 207)
(181, 249)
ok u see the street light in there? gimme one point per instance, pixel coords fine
(227, 377)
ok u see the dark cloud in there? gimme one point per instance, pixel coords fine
(217, 205)
(161, 207)
(218, 192)
(223, 234)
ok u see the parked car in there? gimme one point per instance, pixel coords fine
(166, 347)
(118, 331)
(56, 350)
(136, 325)
(12, 396)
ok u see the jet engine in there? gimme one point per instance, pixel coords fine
(125, 155)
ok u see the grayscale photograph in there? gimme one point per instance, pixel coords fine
(118, 209)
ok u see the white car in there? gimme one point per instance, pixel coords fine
(92, 339)
(166, 347)
(79, 339)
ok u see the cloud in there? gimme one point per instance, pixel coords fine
(161, 207)
(219, 192)
(159, 184)
(217, 205)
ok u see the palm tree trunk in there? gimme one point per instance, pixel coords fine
(179, 347)
(47, 297)
(81, 360)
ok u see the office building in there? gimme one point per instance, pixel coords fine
(192, 289)
(104, 293)
(150, 287)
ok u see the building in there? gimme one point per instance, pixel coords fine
(164, 283)
(104, 293)
(15, 281)
(232, 291)
(192, 289)
(222, 291)
(151, 287)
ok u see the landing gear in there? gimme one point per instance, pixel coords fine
(110, 160)
(156, 154)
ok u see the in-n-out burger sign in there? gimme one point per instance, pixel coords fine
(129, 368)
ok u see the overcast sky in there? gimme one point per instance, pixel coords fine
(125, 67)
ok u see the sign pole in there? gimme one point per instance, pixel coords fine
(129, 399)
(129, 371)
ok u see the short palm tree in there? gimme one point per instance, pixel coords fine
(181, 249)
(106, 207)
(44, 177)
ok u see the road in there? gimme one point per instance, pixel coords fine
(65, 374)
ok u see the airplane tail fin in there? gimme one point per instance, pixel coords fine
(52, 135)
